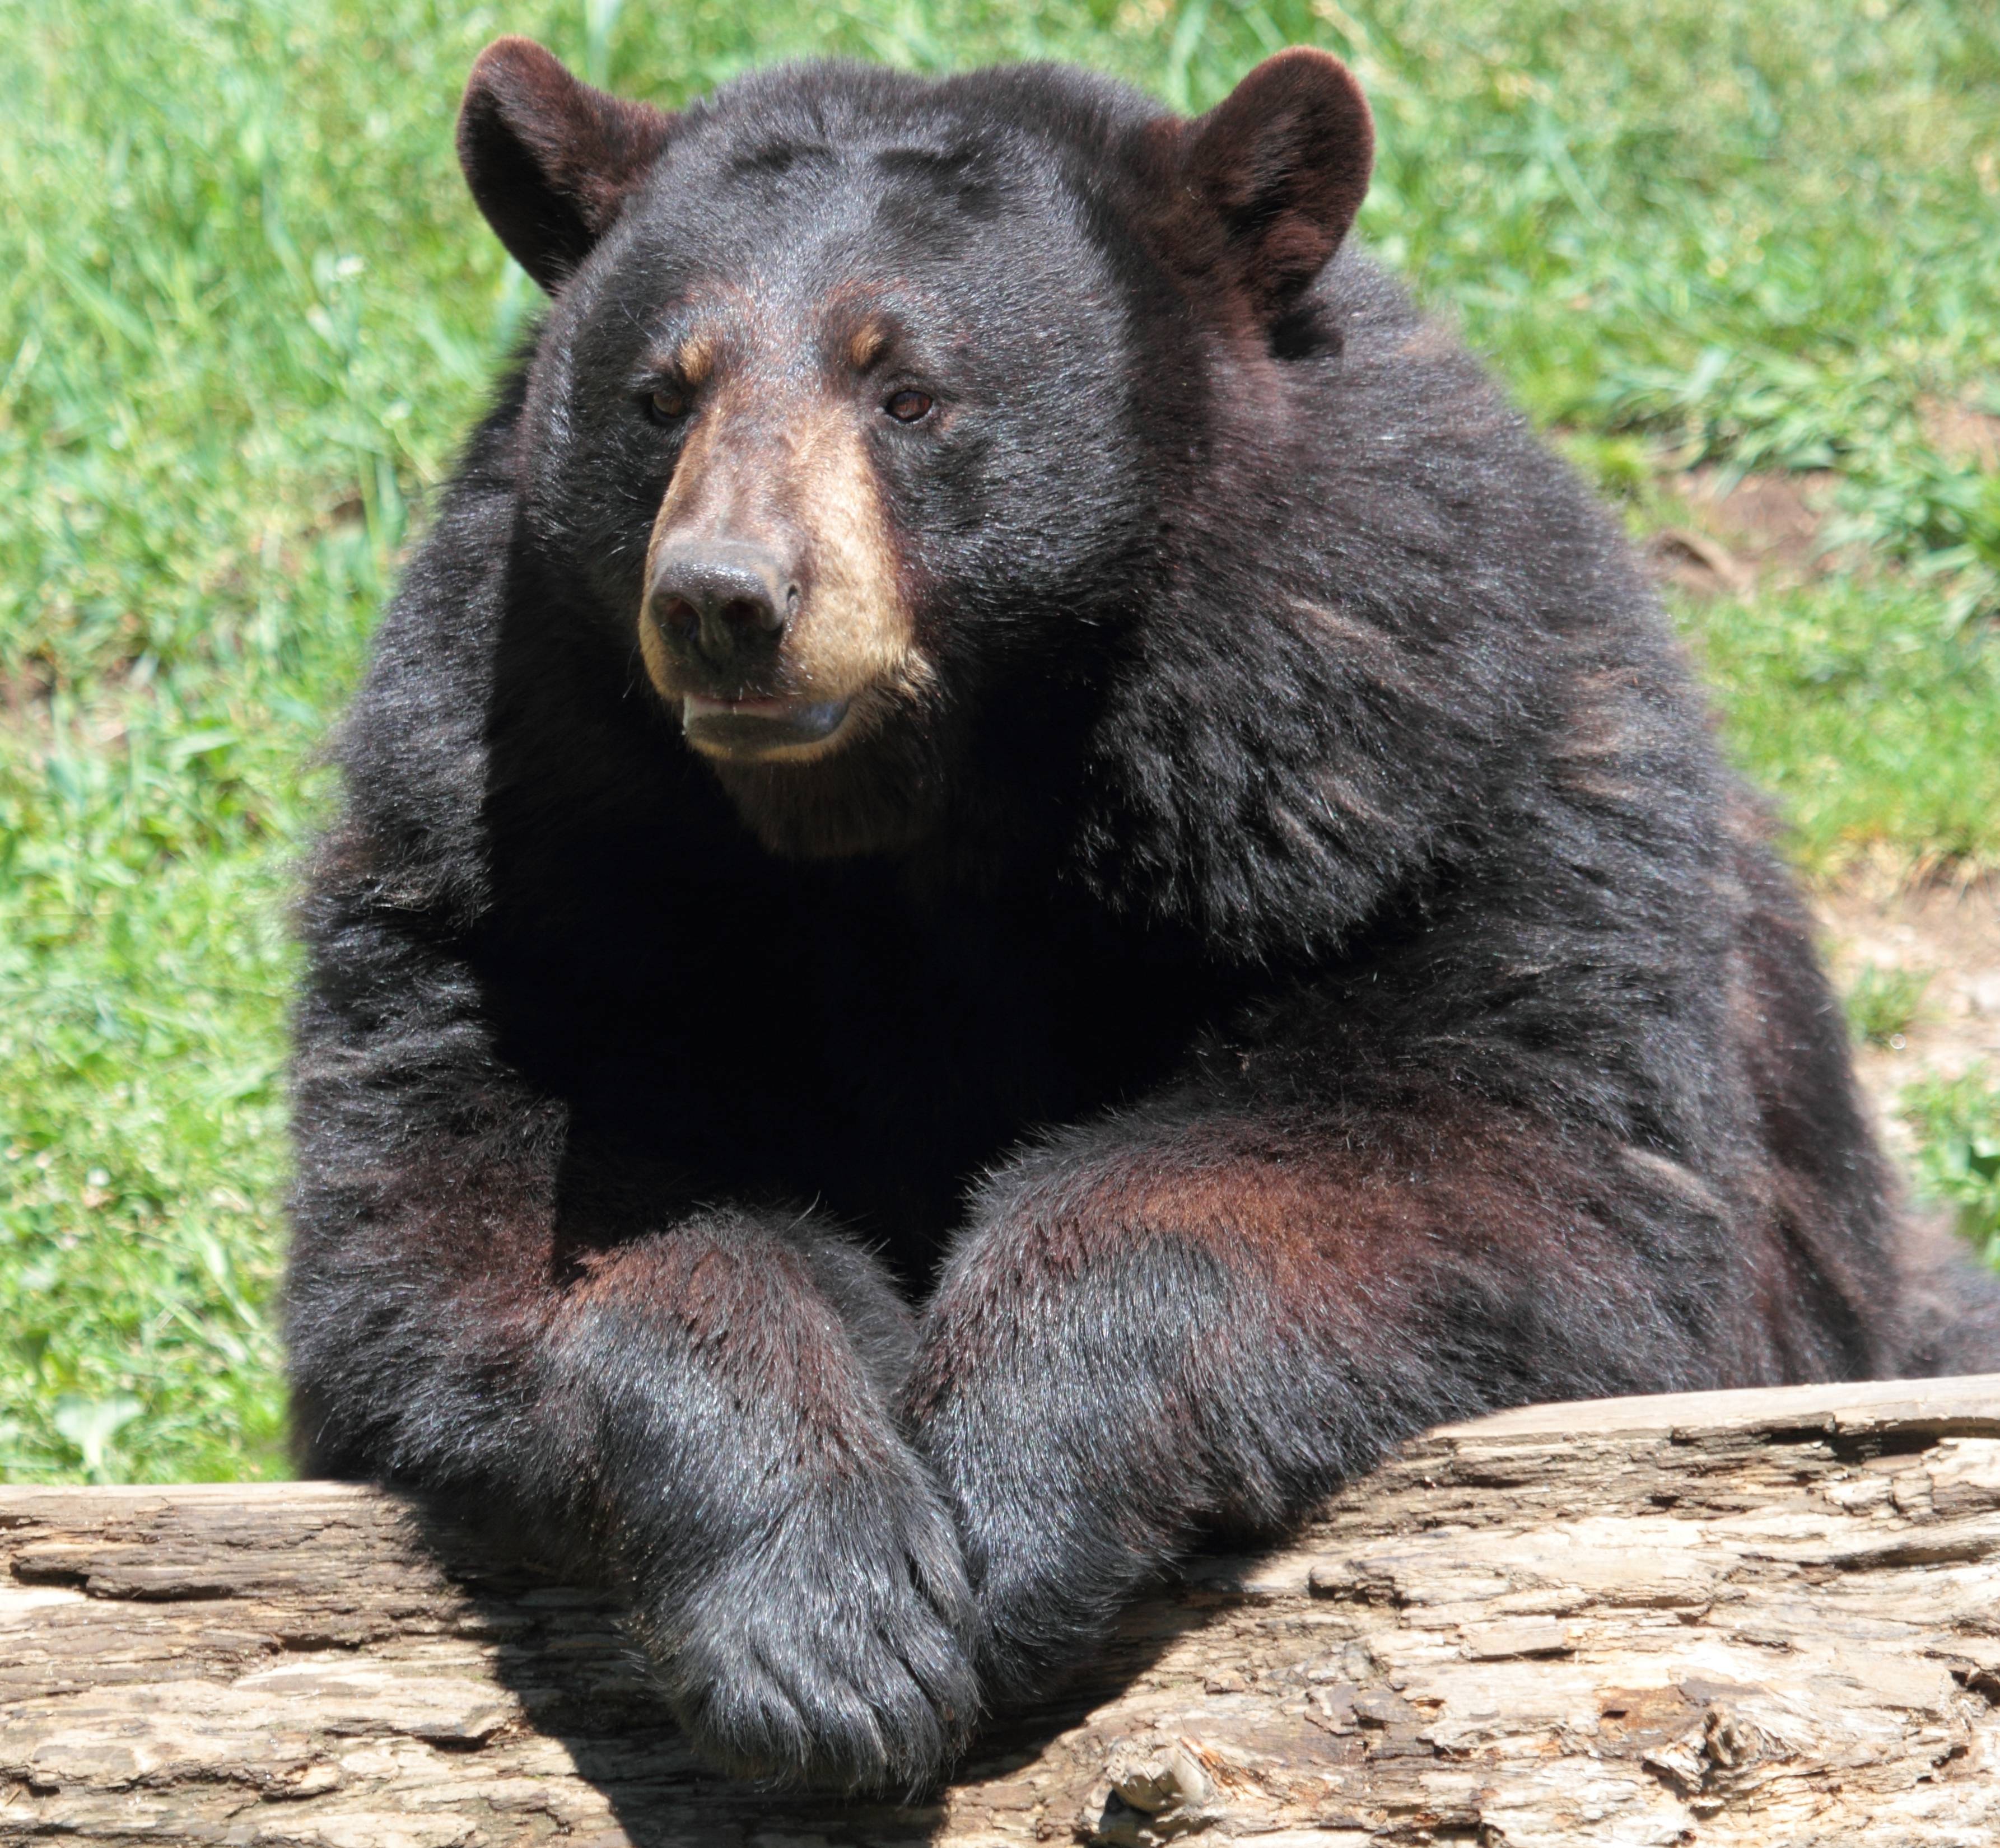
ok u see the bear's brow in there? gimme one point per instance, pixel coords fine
(951, 167)
(778, 157)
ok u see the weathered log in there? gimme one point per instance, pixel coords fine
(1765, 1617)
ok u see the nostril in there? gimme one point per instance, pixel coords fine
(725, 600)
(742, 613)
(679, 617)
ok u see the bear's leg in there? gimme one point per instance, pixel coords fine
(708, 1400)
(1174, 1321)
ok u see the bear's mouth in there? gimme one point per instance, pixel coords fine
(748, 730)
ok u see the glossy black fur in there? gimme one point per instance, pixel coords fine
(1337, 987)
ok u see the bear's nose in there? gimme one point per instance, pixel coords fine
(727, 601)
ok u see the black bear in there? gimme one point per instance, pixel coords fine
(1019, 879)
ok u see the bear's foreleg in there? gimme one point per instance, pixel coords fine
(708, 1402)
(1175, 1322)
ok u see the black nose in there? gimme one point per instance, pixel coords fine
(724, 600)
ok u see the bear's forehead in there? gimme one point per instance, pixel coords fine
(864, 107)
(973, 141)
(775, 201)
(765, 167)
(787, 197)
(778, 164)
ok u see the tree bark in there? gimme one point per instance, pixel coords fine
(1764, 1618)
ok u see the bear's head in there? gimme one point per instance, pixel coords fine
(855, 386)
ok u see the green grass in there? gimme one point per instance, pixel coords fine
(245, 310)
(1883, 1004)
(1957, 1123)
(1875, 725)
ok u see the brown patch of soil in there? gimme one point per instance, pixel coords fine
(1739, 535)
(24, 690)
(1682, 556)
(1960, 434)
(1949, 934)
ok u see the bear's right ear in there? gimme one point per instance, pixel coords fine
(549, 160)
(1271, 177)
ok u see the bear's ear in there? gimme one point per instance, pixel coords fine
(1281, 166)
(549, 160)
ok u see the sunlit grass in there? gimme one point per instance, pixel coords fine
(1877, 729)
(1957, 1126)
(1883, 1004)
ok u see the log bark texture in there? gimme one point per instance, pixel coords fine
(1768, 1618)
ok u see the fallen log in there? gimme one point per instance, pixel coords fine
(1763, 1618)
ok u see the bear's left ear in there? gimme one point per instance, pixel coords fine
(1280, 167)
(550, 160)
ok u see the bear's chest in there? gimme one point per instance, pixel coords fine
(826, 1041)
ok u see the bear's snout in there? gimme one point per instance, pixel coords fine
(721, 610)
(723, 606)
(773, 620)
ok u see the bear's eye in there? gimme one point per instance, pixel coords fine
(666, 404)
(908, 407)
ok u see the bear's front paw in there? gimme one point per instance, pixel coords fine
(1041, 1618)
(833, 1649)
(1050, 1577)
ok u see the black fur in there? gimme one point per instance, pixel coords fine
(1334, 986)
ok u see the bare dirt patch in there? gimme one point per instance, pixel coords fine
(1763, 530)
(1961, 433)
